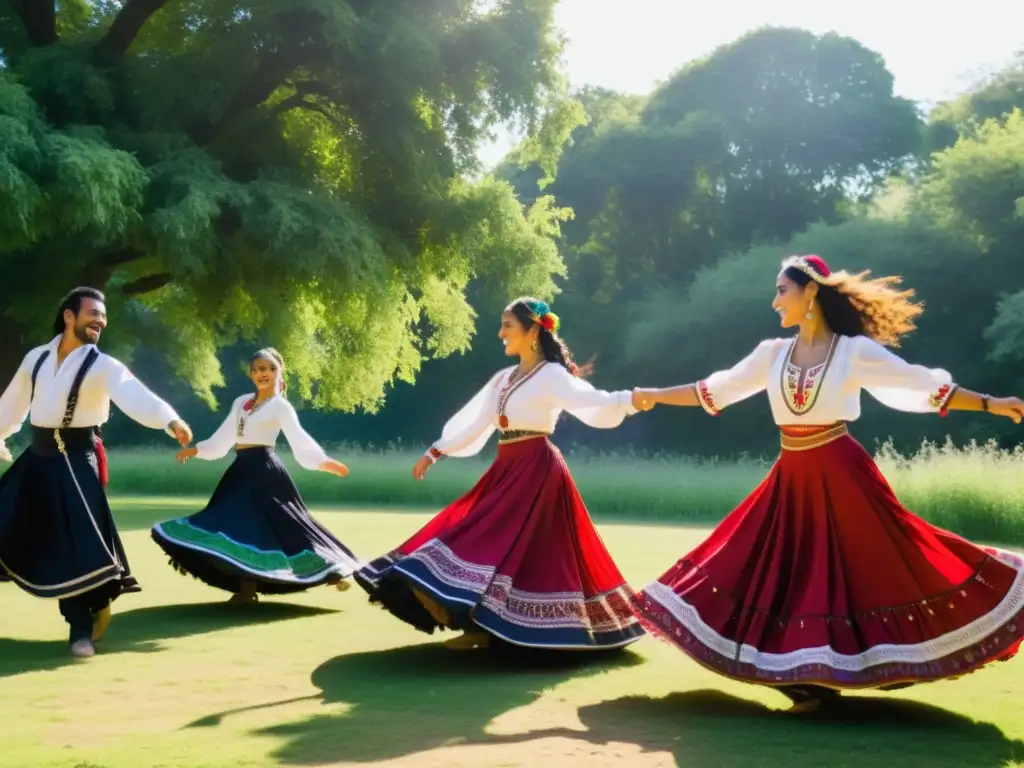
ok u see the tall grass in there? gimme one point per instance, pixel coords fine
(976, 491)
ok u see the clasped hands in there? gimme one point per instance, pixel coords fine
(643, 399)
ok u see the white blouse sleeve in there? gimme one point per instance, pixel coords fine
(217, 445)
(134, 399)
(594, 407)
(468, 431)
(745, 379)
(16, 400)
(898, 384)
(305, 449)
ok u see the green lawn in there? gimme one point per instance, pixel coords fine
(324, 678)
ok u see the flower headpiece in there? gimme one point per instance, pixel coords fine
(812, 266)
(542, 315)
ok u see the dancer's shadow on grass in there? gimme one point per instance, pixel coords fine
(409, 700)
(711, 728)
(142, 631)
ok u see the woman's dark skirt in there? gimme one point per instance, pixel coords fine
(256, 528)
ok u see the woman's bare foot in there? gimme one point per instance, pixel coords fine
(338, 582)
(247, 594)
(807, 698)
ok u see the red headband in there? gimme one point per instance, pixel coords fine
(819, 265)
(812, 266)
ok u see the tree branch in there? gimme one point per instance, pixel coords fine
(39, 18)
(147, 284)
(127, 24)
(270, 73)
(296, 101)
(295, 28)
(97, 271)
(292, 102)
(119, 257)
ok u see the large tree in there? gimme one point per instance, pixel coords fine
(766, 135)
(297, 169)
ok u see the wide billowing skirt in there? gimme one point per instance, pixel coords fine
(256, 528)
(58, 538)
(822, 577)
(517, 556)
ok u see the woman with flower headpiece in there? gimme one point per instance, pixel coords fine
(255, 535)
(820, 580)
(517, 558)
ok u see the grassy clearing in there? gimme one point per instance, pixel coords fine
(325, 679)
(977, 491)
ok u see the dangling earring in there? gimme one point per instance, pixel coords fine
(533, 345)
(810, 311)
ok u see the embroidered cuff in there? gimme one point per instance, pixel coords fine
(705, 398)
(940, 398)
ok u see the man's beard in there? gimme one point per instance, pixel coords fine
(82, 334)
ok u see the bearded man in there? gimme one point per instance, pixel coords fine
(58, 539)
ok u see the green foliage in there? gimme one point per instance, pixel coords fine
(1006, 333)
(975, 186)
(292, 171)
(994, 97)
(61, 184)
(545, 148)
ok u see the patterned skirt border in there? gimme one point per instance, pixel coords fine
(477, 594)
(994, 636)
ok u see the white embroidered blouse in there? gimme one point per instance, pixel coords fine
(830, 392)
(109, 380)
(532, 403)
(260, 426)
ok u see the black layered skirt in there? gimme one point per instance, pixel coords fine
(58, 538)
(256, 528)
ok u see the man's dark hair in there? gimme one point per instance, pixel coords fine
(73, 301)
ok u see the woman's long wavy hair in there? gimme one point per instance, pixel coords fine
(552, 346)
(855, 305)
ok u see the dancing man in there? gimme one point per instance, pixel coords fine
(57, 535)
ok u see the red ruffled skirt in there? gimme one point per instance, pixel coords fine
(822, 577)
(517, 556)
